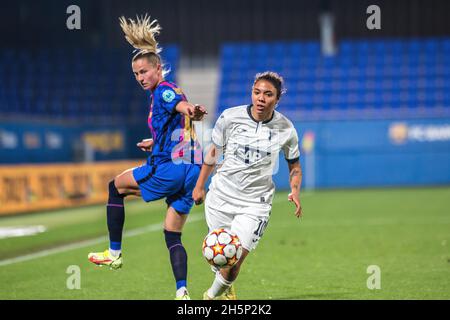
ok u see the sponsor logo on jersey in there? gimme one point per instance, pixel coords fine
(249, 154)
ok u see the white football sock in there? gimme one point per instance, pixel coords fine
(115, 253)
(214, 269)
(219, 286)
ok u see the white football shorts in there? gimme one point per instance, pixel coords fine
(248, 223)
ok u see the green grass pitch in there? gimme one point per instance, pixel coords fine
(405, 232)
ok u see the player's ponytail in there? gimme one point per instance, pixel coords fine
(141, 35)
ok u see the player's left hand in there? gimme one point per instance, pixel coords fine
(197, 112)
(294, 197)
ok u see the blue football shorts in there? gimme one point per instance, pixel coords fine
(174, 182)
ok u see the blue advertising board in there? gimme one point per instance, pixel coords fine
(43, 143)
(334, 154)
(367, 153)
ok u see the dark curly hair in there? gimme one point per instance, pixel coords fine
(274, 78)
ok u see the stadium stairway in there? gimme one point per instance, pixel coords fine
(200, 83)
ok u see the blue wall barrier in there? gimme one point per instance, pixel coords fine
(372, 153)
(41, 143)
(334, 154)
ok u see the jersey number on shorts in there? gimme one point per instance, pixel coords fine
(261, 227)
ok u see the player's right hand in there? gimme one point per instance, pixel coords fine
(145, 145)
(198, 194)
(197, 112)
(294, 197)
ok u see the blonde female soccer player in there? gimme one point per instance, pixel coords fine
(240, 194)
(173, 165)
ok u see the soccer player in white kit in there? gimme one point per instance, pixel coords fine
(250, 138)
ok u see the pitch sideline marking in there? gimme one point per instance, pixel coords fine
(85, 243)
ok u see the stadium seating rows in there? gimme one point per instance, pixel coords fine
(363, 75)
(384, 74)
(74, 84)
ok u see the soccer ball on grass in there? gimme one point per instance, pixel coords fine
(222, 248)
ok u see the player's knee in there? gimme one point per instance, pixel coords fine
(172, 238)
(114, 192)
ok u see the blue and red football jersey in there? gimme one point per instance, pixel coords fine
(172, 132)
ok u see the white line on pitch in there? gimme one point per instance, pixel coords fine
(91, 242)
(85, 243)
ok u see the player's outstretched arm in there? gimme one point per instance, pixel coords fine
(195, 112)
(198, 194)
(295, 180)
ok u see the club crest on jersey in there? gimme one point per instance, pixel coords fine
(168, 95)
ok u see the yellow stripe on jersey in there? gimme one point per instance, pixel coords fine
(189, 131)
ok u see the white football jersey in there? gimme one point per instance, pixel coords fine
(250, 155)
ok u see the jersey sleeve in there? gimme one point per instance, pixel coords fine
(290, 148)
(219, 136)
(170, 97)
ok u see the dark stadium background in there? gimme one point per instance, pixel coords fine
(371, 108)
(70, 82)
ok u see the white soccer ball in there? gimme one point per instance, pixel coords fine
(221, 248)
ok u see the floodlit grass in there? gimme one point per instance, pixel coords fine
(405, 232)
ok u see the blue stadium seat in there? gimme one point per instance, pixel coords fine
(71, 83)
(383, 73)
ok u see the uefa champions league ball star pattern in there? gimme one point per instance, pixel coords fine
(221, 248)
